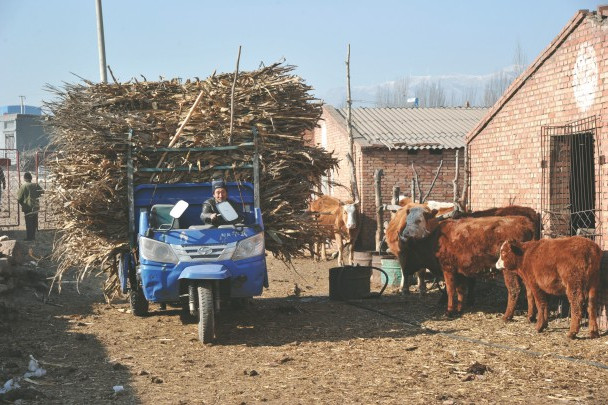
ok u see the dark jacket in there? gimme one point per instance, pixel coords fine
(28, 196)
(210, 208)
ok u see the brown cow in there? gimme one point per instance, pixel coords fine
(560, 266)
(504, 211)
(461, 248)
(500, 212)
(341, 221)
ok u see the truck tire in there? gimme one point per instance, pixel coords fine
(139, 304)
(206, 322)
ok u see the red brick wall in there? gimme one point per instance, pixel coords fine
(397, 168)
(505, 157)
(396, 165)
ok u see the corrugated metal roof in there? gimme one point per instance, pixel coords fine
(411, 128)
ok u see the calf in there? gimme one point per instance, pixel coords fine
(569, 266)
(341, 221)
(462, 248)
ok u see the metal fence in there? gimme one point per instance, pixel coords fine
(571, 180)
(13, 166)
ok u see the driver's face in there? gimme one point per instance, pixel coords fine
(220, 194)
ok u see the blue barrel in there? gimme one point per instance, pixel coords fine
(393, 269)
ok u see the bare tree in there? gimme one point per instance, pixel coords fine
(495, 87)
(383, 95)
(519, 59)
(401, 90)
(431, 94)
(393, 94)
(469, 96)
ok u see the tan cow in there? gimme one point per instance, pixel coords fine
(341, 220)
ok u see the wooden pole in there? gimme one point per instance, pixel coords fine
(417, 183)
(455, 182)
(379, 211)
(396, 192)
(236, 73)
(464, 198)
(349, 127)
(180, 129)
(433, 183)
(413, 190)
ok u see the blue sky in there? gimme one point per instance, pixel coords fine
(45, 41)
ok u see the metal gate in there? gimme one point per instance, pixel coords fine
(46, 216)
(571, 180)
(9, 208)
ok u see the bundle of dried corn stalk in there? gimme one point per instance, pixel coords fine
(90, 123)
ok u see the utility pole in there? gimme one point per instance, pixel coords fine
(101, 44)
(350, 157)
(22, 104)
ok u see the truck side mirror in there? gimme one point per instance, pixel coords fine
(227, 211)
(179, 209)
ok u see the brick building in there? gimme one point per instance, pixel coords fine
(544, 143)
(392, 139)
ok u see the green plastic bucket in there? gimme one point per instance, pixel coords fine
(393, 269)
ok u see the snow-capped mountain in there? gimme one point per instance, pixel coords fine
(442, 90)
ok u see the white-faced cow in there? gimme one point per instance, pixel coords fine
(341, 222)
(395, 226)
(460, 249)
(560, 266)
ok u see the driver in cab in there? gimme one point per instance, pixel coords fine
(210, 214)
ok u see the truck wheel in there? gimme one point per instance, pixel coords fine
(139, 304)
(206, 322)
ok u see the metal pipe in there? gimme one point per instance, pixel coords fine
(101, 43)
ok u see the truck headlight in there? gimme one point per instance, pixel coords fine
(252, 246)
(156, 251)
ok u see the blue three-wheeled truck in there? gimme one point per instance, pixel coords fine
(175, 259)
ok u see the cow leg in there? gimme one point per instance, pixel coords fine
(421, 281)
(531, 306)
(404, 285)
(339, 246)
(591, 309)
(542, 308)
(323, 251)
(461, 291)
(450, 287)
(313, 251)
(577, 300)
(513, 289)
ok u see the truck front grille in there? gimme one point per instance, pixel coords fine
(193, 253)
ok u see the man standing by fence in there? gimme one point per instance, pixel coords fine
(28, 196)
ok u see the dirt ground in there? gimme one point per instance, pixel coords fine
(287, 348)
